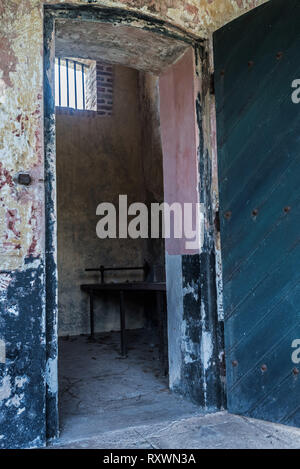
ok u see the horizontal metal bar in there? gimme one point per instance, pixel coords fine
(105, 269)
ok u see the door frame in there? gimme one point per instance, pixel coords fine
(202, 270)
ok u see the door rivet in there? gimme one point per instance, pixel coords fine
(250, 63)
(296, 371)
(255, 212)
(228, 215)
(234, 363)
(264, 368)
(279, 55)
(222, 73)
(287, 209)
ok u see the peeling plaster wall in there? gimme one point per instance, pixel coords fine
(98, 158)
(209, 265)
(22, 284)
(21, 137)
(152, 161)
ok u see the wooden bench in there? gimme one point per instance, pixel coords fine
(97, 289)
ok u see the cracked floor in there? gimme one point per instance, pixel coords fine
(109, 402)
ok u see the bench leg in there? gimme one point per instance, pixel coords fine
(122, 325)
(92, 316)
(160, 308)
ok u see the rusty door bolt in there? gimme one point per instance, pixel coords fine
(296, 371)
(228, 215)
(24, 179)
(255, 212)
(235, 363)
(287, 209)
(279, 55)
(264, 368)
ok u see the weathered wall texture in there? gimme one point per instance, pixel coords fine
(195, 331)
(152, 161)
(21, 102)
(98, 158)
(127, 45)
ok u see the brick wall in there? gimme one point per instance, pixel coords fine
(91, 86)
(104, 88)
(99, 88)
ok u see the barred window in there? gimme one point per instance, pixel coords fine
(70, 83)
(84, 84)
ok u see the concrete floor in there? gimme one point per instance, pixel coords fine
(109, 402)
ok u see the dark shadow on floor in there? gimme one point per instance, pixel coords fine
(100, 392)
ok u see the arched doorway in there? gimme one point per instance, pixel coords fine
(193, 349)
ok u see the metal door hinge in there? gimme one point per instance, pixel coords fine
(212, 84)
(217, 222)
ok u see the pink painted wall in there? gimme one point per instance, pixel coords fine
(179, 138)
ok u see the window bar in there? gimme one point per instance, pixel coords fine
(59, 82)
(75, 84)
(83, 90)
(68, 91)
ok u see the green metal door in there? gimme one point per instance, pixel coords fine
(257, 60)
